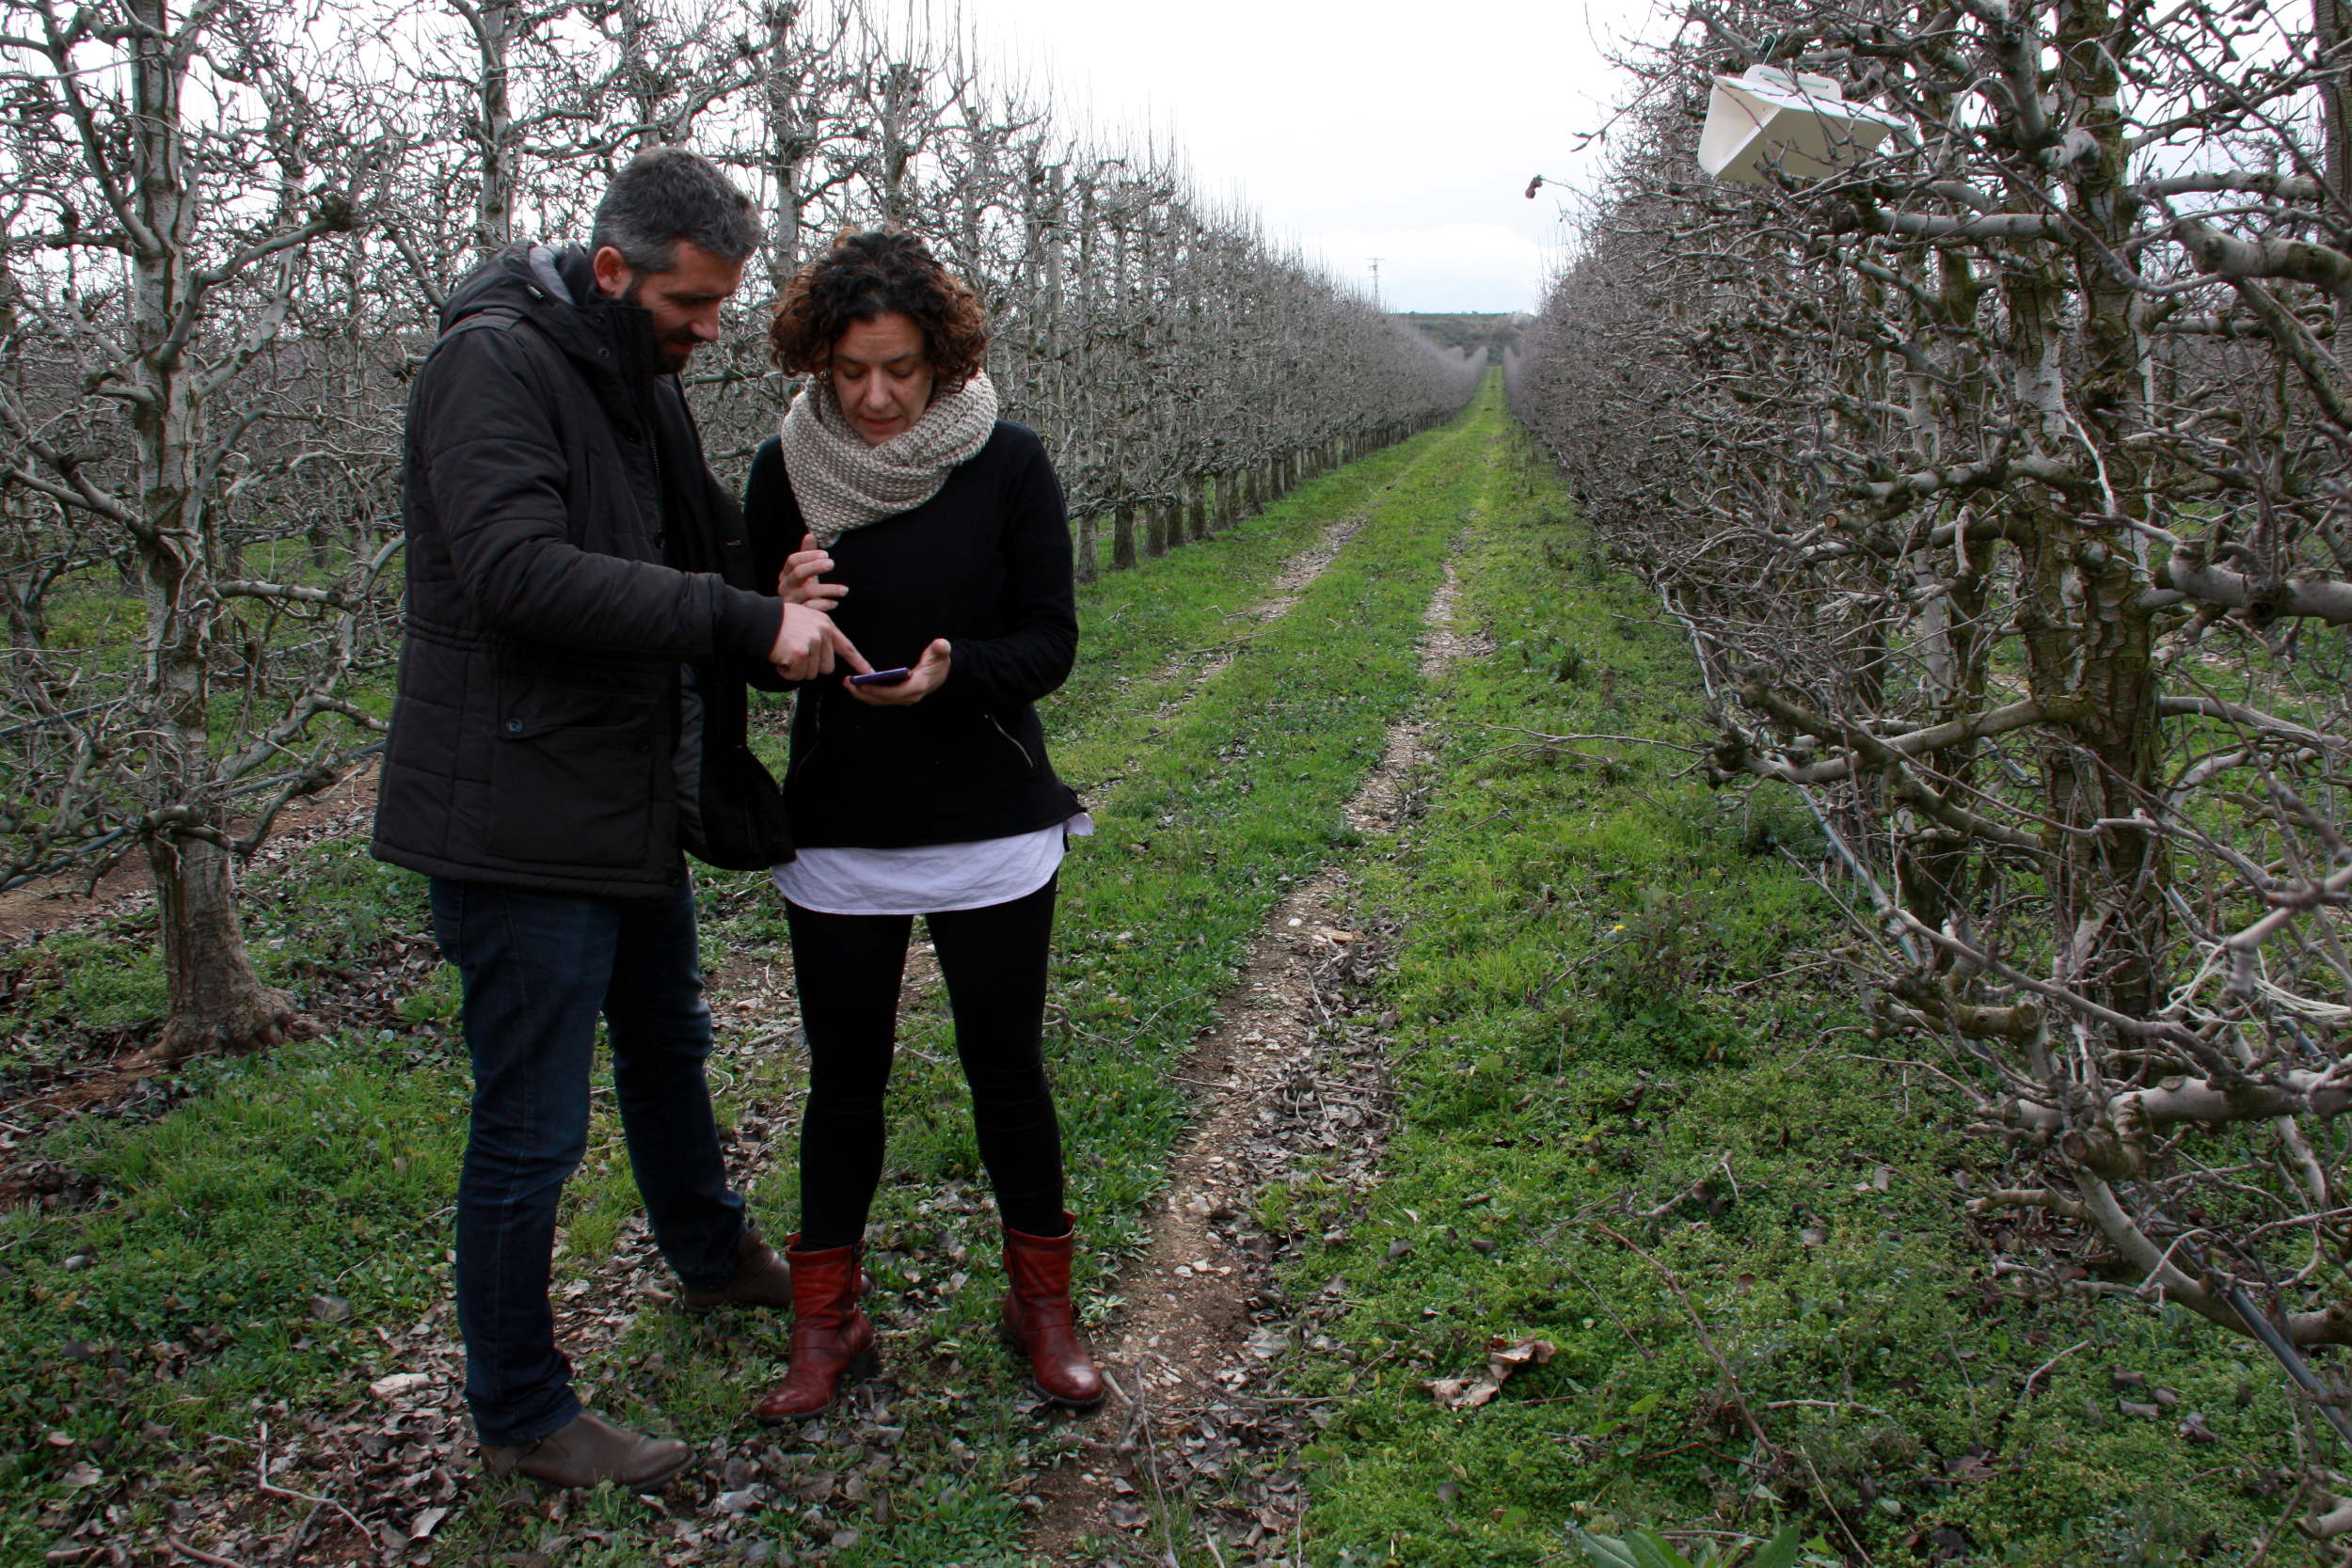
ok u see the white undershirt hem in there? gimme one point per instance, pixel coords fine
(928, 879)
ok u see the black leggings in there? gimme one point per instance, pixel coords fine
(848, 968)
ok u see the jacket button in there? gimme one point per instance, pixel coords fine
(514, 726)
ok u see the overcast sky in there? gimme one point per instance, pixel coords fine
(1356, 128)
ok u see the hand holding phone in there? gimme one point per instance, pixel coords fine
(903, 688)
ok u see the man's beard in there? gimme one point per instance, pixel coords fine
(675, 348)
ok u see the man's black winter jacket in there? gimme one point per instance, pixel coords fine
(984, 563)
(542, 737)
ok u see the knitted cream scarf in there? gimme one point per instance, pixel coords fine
(842, 483)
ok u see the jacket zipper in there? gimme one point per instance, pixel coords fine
(1026, 760)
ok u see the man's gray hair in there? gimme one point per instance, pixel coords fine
(665, 194)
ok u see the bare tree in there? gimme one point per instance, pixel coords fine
(2000, 479)
(177, 240)
(225, 240)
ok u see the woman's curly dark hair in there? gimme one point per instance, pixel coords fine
(864, 276)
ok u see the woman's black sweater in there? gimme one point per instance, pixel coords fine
(984, 563)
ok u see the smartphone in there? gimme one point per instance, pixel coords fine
(881, 677)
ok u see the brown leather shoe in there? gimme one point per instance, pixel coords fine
(761, 1278)
(589, 1452)
(833, 1343)
(1038, 1320)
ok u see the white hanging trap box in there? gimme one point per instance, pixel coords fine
(1798, 125)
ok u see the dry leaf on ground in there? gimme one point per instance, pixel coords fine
(1462, 1393)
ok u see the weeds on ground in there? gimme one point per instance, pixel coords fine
(270, 1246)
(1635, 1124)
(1236, 797)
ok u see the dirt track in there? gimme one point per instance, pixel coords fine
(1288, 1075)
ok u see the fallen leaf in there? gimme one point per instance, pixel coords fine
(1461, 1393)
(1270, 1342)
(423, 1525)
(393, 1384)
(1503, 1362)
(82, 1474)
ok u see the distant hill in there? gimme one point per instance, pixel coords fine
(1468, 329)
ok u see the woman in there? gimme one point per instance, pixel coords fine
(935, 533)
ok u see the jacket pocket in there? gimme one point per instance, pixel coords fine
(572, 794)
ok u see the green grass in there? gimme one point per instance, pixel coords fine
(279, 1177)
(1605, 1000)
(1592, 1025)
(1194, 845)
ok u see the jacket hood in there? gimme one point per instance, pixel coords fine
(555, 291)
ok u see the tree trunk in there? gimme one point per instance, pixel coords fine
(901, 139)
(217, 1002)
(790, 141)
(495, 24)
(2332, 30)
(2115, 675)
(216, 999)
(1123, 539)
(640, 81)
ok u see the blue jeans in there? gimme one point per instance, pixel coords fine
(538, 968)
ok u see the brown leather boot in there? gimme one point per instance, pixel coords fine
(1038, 1320)
(588, 1452)
(761, 1278)
(833, 1343)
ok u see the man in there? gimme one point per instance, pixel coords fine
(580, 616)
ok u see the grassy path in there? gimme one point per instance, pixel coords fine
(1630, 1122)
(1236, 797)
(1635, 1124)
(272, 1246)
(1198, 1442)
